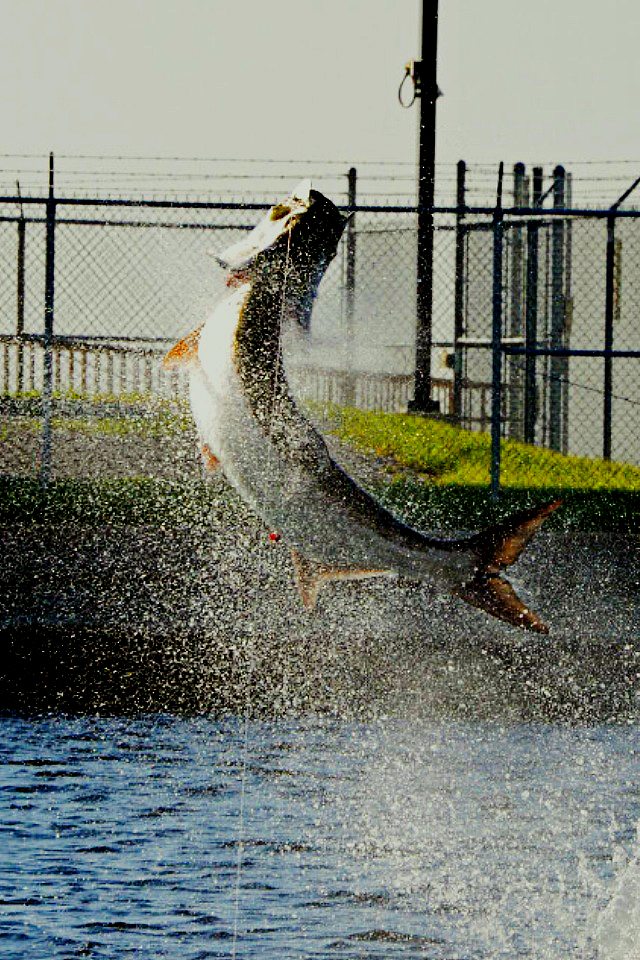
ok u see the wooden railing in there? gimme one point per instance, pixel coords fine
(367, 391)
(86, 368)
(102, 368)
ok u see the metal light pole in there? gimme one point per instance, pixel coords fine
(423, 74)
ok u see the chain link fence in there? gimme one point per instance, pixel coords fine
(569, 330)
(93, 291)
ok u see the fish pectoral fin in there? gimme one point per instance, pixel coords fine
(496, 596)
(184, 352)
(209, 459)
(310, 575)
(500, 546)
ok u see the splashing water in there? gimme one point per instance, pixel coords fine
(617, 931)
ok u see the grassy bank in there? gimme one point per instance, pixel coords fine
(438, 478)
(447, 455)
(435, 507)
(103, 415)
(441, 475)
(134, 501)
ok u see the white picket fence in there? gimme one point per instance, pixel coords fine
(86, 368)
(94, 369)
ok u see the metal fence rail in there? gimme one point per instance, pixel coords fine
(534, 330)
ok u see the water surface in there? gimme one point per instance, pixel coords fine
(154, 837)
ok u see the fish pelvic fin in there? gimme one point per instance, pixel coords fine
(496, 548)
(496, 596)
(310, 575)
(184, 352)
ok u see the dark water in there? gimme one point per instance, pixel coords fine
(160, 837)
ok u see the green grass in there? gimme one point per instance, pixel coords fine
(449, 508)
(444, 454)
(131, 501)
(104, 415)
(449, 475)
(441, 479)
(143, 501)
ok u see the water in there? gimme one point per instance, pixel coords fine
(154, 836)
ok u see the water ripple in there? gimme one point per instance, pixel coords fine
(122, 837)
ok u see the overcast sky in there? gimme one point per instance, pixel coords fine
(541, 80)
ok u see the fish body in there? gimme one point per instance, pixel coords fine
(272, 455)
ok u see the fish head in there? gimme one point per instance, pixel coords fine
(299, 235)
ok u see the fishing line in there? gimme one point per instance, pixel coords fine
(240, 842)
(247, 706)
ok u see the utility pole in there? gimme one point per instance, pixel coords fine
(423, 75)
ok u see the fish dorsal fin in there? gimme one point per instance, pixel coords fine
(310, 575)
(500, 546)
(184, 352)
(496, 596)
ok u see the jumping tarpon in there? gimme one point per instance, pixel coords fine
(250, 425)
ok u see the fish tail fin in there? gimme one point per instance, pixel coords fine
(496, 548)
(499, 546)
(496, 596)
(184, 352)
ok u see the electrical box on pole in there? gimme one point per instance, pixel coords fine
(422, 74)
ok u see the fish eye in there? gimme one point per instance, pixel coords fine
(279, 211)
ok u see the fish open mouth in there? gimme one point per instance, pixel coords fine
(268, 234)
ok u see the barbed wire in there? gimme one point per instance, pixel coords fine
(549, 377)
(589, 182)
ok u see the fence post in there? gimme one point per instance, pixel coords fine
(20, 278)
(516, 326)
(350, 286)
(531, 318)
(608, 337)
(20, 298)
(609, 313)
(47, 373)
(496, 341)
(351, 246)
(568, 312)
(459, 293)
(557, 314)
(612, 314)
